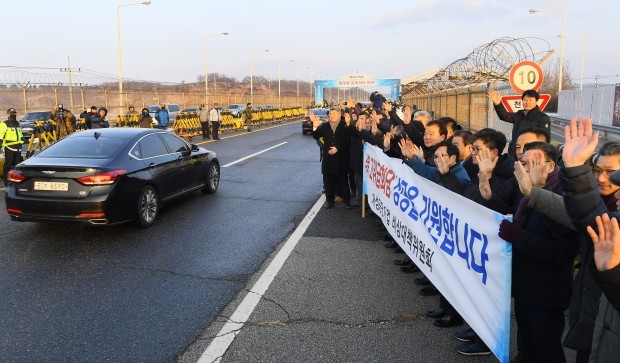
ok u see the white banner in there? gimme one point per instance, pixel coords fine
(451, 239)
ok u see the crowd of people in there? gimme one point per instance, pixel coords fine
(564, 234)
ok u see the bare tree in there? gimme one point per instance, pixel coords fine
(550, 82)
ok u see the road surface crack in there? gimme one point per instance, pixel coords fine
(235, 278)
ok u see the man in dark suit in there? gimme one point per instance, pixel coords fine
(336, 135)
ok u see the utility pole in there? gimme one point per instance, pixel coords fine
(69, 70)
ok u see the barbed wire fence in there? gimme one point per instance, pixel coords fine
(459, 90)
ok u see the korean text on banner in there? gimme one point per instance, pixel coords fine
(452, 239)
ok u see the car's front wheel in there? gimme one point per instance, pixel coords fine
(213, 179)
(148, 206)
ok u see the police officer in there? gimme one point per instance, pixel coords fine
(11, 139)
(215, 117)
(248, 115)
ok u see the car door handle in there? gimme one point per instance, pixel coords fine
(152, 165)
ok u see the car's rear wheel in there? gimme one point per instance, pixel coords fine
(148, 206)
(213, 179)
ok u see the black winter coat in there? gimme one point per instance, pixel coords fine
(502, 173)
(542, 261)
(356, 161)
(341, 139)
(535, 118)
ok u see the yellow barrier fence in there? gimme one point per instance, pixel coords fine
(187, 124)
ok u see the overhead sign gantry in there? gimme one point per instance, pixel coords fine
(355, 81)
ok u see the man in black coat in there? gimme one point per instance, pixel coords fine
(336, 135)
(530, 116)
(543, 254)
(583, 204)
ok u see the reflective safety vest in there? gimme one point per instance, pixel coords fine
(10, 136)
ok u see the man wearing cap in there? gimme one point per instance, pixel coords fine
(83, 119)
(162, 117)
(11, 140)
(248, 116)
(203, 115)
(215, 117)
(93, 112)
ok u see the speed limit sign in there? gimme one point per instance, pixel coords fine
(526, 75)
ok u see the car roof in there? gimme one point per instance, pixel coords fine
(123, 132)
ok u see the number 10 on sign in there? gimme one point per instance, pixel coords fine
(526, 75)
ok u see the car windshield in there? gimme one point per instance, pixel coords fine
(84, 148)
(34, 116)
(154, 108)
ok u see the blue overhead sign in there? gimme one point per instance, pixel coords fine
(356, 81)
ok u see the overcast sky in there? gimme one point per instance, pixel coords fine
(165, 41)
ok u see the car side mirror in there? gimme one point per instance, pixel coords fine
(195, 147)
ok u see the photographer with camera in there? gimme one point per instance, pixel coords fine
(65, 121)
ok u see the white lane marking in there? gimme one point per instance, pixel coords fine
(224, 338)
(249, 156)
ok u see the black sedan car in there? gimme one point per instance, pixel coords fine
(109, 176)
(306, 123)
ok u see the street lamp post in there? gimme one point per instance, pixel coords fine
(118, 36)
(252, 72)
(533, 11)
(280, 79)
(207, 74)
(581, 71)
(298, 82)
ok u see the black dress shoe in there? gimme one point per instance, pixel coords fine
(347, 206)
(388, 237)
(329, 205)
(411, 268)
(436, 314)
(429, 291)
(404, 262)
(422, 280)
(448, 321)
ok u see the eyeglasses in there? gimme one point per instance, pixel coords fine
(436, 156)
(598, 171)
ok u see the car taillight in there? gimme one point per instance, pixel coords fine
(306, 118)
(106, 178)
(15, 177)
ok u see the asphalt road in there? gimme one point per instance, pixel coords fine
(80, 293)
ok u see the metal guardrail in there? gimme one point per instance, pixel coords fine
(605, 132)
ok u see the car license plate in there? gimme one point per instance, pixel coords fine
(55, 186)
